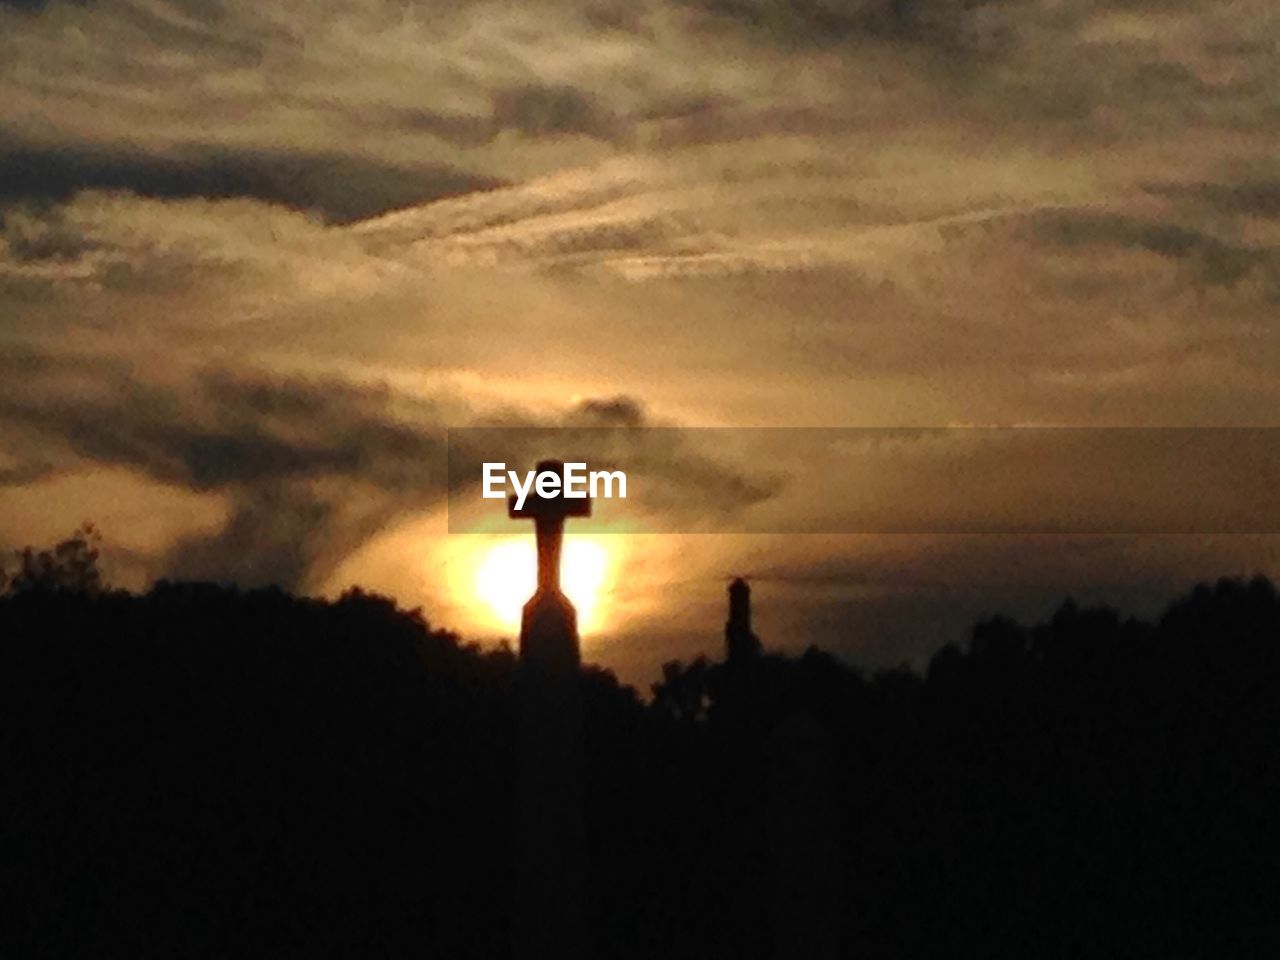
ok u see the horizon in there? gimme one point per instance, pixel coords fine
(257, 261)
(74, 564)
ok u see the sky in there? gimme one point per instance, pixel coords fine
(256, 257)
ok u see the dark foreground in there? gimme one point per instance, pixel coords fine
(199, 772)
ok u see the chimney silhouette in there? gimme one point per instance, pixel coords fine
(739, 642)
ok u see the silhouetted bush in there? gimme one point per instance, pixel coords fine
(204, 772)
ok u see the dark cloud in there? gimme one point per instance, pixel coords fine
(1255, 196)
(438, 121)
(26, 6)
(221, 430)
(619, 411)
(1216, 262)
(312, 468)
(1258, 198)
(547, 111)
(47, 237)
(275, 535)
(199, 27)
(463, 129)
(341, 188)
(23, 473)
(944, 25)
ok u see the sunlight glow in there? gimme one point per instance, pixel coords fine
(506, 574)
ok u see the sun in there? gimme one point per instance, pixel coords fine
(506, 574)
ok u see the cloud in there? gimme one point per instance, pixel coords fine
(339, 187)
(541, 111)
(620, 411)
(941, 24)
(312, 467)
(26, 6)
(225, 223)
(1255, 194)
(126, 264)
(1215, 262)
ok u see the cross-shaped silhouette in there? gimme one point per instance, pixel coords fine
(548, 515)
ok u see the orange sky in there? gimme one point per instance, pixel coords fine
(255, 257)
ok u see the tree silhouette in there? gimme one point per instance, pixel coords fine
(69, 565)
(200, 771)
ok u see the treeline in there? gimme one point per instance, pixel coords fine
(1092, 786)
(204, 772)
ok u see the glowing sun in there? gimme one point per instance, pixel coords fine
(506, 574)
